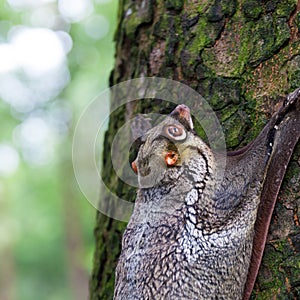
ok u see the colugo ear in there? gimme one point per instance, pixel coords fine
(171, 158)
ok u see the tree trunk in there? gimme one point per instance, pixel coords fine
(242, 57)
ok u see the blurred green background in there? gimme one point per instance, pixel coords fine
(55, 57)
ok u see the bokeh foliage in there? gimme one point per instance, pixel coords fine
(46, 224)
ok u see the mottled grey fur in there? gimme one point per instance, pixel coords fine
(190, 235)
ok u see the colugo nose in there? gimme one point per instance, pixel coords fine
(182, 112)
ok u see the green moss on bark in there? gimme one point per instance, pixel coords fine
(174, 4)
(137, 15)
(285, 8)
(251, 9)
(297, 21)
(206, 34)
(240, 58)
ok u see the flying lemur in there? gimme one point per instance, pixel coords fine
(191, 235)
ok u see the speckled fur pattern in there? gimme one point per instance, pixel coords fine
(190, 235)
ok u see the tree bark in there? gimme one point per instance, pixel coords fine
(242, 57)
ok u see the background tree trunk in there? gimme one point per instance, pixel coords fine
(242, 57)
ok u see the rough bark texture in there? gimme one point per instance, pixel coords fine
(242, 56)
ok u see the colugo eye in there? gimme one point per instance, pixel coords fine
(175, 132)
